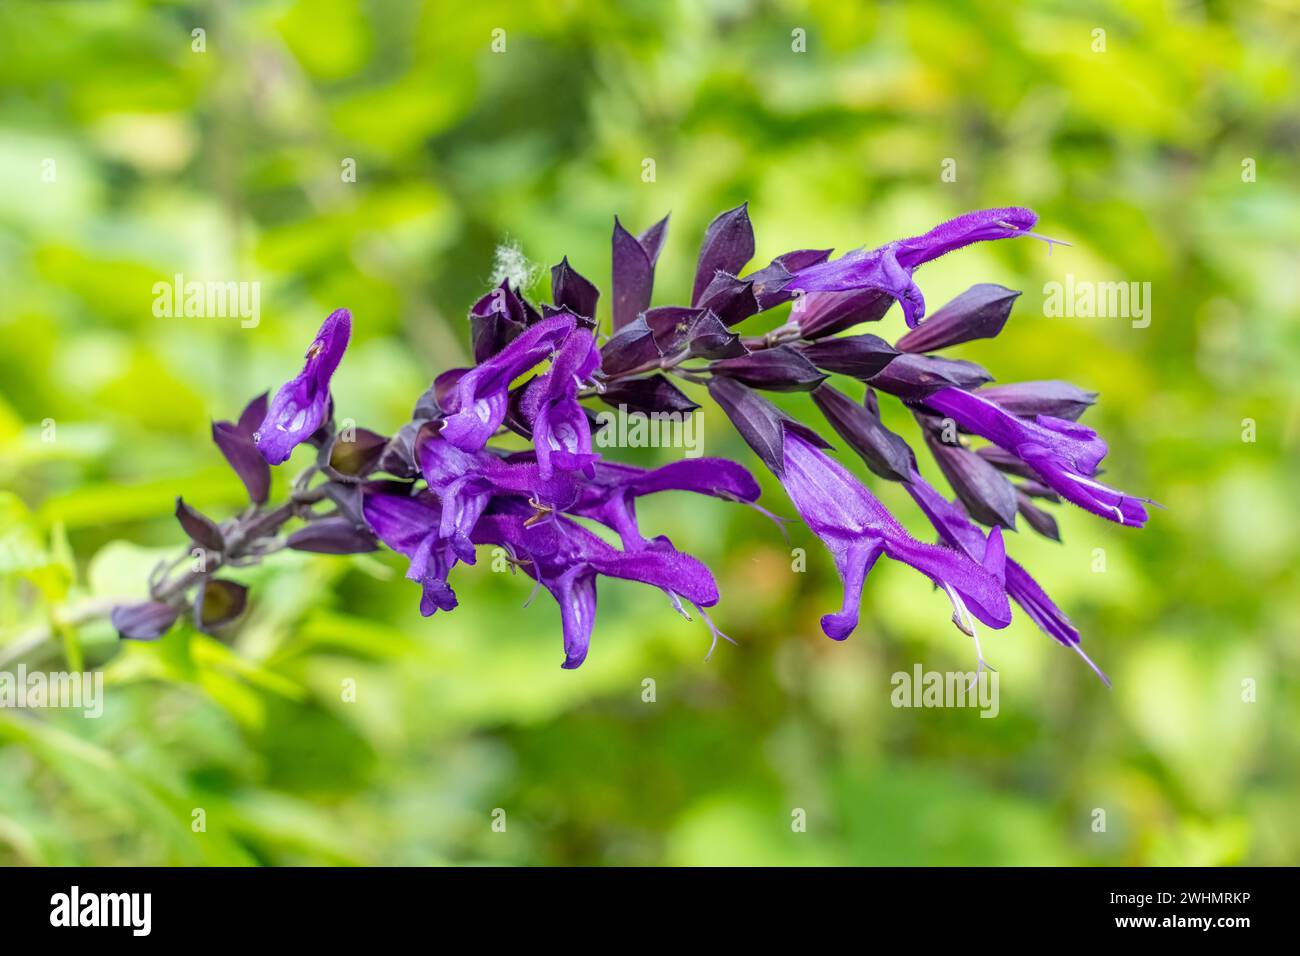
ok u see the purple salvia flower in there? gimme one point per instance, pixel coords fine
(1064, 454)
(857, 529)
(410, 526)
(957, 531)
(561, 432)
(534, 369)
(481, 397)
(465, 483)
(565, 558)
(888, 269)
(302, 404)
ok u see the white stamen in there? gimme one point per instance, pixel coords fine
(965, 622)
(1088, 660)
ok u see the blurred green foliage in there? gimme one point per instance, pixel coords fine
(226, 164)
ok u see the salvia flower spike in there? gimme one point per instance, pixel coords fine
(441, 486)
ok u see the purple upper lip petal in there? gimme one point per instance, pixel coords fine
(301, 404)
(888, 268)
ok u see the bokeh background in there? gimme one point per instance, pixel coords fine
(226, 165)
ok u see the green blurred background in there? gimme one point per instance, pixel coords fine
(225, 165)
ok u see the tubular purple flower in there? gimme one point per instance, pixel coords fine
(1063, 453)
(465, 483)
(983, 225)
(565, 558)
(481, 397)
(302, 404)
(889, 268)
(450, 487)
(410, 526)
(561, 432)
(957, 531)
(857, 529)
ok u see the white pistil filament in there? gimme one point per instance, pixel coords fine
(965, 621)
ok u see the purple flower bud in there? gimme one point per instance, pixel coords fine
(1040, 520)
(632, 347)
(709, 338)
(146, 621)
(572, 292)
(672, 325)
(913, 377)
(985, 492)
(826, 313)
(495, 320)
(729, 298)
(649, 395)
(888, 269)
(202, 530)
(759, 422)
(332, 535)
(978, 313)
(861, 356)
(634, 270)
(884, 452)
(728, 245)
(301, 405)
(1029, 399)
(780, 369)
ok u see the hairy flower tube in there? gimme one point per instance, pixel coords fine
(444, 483)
